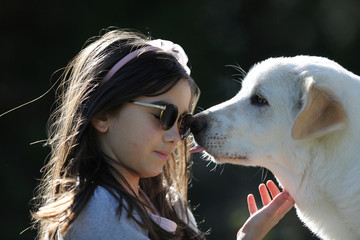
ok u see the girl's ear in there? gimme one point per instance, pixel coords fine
(100, 122)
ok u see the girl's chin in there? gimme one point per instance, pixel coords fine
(152, 174)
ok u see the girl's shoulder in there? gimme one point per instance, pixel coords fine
(102, 199)
(100, 219)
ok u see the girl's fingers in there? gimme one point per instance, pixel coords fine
(261, 222)
(251, 204)
(265, 196)
(281, 204)
(274, 190)
(264, 193)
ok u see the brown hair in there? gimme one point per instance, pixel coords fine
(76, 166)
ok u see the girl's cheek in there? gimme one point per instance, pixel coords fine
(134, 145)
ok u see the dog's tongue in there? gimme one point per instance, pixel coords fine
(196, 149)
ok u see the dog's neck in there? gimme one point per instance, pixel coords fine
(302, 172)
(319, 188)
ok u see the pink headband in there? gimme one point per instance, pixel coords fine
(127, 59)
(156, 45)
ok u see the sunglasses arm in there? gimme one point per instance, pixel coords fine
(149, 105)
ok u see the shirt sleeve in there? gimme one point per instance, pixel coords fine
(99, 220)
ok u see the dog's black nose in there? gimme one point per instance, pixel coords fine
(197, 125)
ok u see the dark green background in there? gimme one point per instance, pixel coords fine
(39, 37)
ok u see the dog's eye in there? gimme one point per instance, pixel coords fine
(258, 100)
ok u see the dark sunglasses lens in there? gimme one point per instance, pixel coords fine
(168, 116)
(184, 127)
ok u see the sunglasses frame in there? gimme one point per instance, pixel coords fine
(163, 108)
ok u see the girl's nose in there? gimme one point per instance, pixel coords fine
(172, 135)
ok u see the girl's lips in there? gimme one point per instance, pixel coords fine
(162, 155)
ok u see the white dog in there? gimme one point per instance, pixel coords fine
(300, 118)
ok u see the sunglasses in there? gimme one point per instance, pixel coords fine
(168, 115)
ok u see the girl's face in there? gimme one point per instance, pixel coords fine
(134, 136)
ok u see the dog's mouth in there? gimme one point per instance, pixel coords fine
(196, 149)
(218, 157)
(224, 157)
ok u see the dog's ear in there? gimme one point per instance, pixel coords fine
(320, 114)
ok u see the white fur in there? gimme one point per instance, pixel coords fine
(320, 171)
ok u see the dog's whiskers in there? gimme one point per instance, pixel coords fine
(239, 77)
(199, 109)
(264, 176)
(222, 169)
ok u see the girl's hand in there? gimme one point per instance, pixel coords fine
(262, 221)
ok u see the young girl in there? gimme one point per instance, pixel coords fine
(119, 148)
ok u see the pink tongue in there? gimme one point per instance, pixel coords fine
(196, 149)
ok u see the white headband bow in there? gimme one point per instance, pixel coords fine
(175, 49)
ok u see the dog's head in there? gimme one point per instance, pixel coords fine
(282, 101)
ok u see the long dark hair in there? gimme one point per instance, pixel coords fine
(76, 166)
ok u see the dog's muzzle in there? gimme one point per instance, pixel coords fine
(197, 128)
(197, 125)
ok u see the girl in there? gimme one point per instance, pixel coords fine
(119, 148)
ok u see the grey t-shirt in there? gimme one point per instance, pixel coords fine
(99, 220)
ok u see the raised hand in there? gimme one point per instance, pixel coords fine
(262, 221)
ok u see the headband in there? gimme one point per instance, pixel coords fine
(163, 45)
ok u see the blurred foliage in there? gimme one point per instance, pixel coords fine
(40, 37)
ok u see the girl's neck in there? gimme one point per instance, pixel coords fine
(132, 180)
(132, 187)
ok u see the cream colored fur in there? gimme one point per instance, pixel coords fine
(300, 118)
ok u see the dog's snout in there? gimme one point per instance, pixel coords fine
(197, 125)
